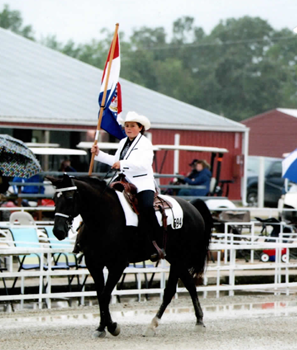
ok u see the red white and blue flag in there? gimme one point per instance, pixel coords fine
(113, 101)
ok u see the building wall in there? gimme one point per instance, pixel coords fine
(230, 140)
(271, 134)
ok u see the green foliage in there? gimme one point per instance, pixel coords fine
(242, 68)
(12, 20)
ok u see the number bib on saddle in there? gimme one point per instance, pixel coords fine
(174, 215)
(177, 223)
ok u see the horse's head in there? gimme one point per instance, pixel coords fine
(66, 204)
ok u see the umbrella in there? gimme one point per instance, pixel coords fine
(16, 159)
(289, 165)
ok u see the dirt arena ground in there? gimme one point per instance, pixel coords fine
(259, 322)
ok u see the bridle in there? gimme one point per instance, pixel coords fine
(59, 193)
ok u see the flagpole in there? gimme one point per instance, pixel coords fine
(104, 96)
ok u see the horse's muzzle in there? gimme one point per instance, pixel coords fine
(60, 229)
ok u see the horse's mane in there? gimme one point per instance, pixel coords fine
(95, 182)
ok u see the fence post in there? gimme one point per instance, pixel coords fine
(232, 266)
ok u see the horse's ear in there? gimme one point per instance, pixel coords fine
(65, 177)
(68, 179)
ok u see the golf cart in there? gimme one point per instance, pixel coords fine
(215, 200)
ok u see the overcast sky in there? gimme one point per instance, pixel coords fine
(82, 20)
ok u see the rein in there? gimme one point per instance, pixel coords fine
(109, 171)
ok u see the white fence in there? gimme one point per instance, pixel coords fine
(228, 268)
(221, 275)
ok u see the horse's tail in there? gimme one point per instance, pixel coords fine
(200, 205)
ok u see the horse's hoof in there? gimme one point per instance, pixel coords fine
(114, 329)
(200, 324)
(99, 334)
(149, 332)
(151, 329)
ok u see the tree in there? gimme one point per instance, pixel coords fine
(12, 20)
(229, 72)
(283, 54)
(183, 30)
(247, 82)
(140, 56)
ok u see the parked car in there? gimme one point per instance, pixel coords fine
(273, 182)
(287, 204)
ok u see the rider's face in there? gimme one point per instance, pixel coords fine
(132, 129)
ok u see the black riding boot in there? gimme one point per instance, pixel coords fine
(150, 225)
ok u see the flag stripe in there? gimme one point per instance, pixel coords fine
(113, 100)
(116, 55)
(112, 81)
(113, 75)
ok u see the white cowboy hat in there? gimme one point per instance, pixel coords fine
(135, 117)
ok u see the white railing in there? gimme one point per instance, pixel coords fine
(47, 277)
(221, 268)
(227, 266)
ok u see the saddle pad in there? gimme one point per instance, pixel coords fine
(174, 214)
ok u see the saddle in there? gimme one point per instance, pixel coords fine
(129, 191)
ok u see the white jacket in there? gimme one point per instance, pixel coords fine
(137, 163)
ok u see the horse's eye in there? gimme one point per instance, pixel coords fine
(69, 195)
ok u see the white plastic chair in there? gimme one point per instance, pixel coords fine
(21, 218)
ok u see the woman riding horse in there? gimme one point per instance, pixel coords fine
(109, 242)
(134, 159)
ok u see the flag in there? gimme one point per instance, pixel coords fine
(112, 114)
(113, 100)
(289, 167)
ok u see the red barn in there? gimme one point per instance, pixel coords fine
(47, 96)
(272, 133)
(232, 164)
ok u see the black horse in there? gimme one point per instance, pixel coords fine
(108, 242)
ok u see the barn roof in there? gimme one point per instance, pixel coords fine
(289, 111)
(42, 86)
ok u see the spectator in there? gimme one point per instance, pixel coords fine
(176, 181)
(66, 166)
(201, 177)
(193, 173)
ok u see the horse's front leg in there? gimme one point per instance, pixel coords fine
(114, 274)
(98, 277)
(168, 295)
